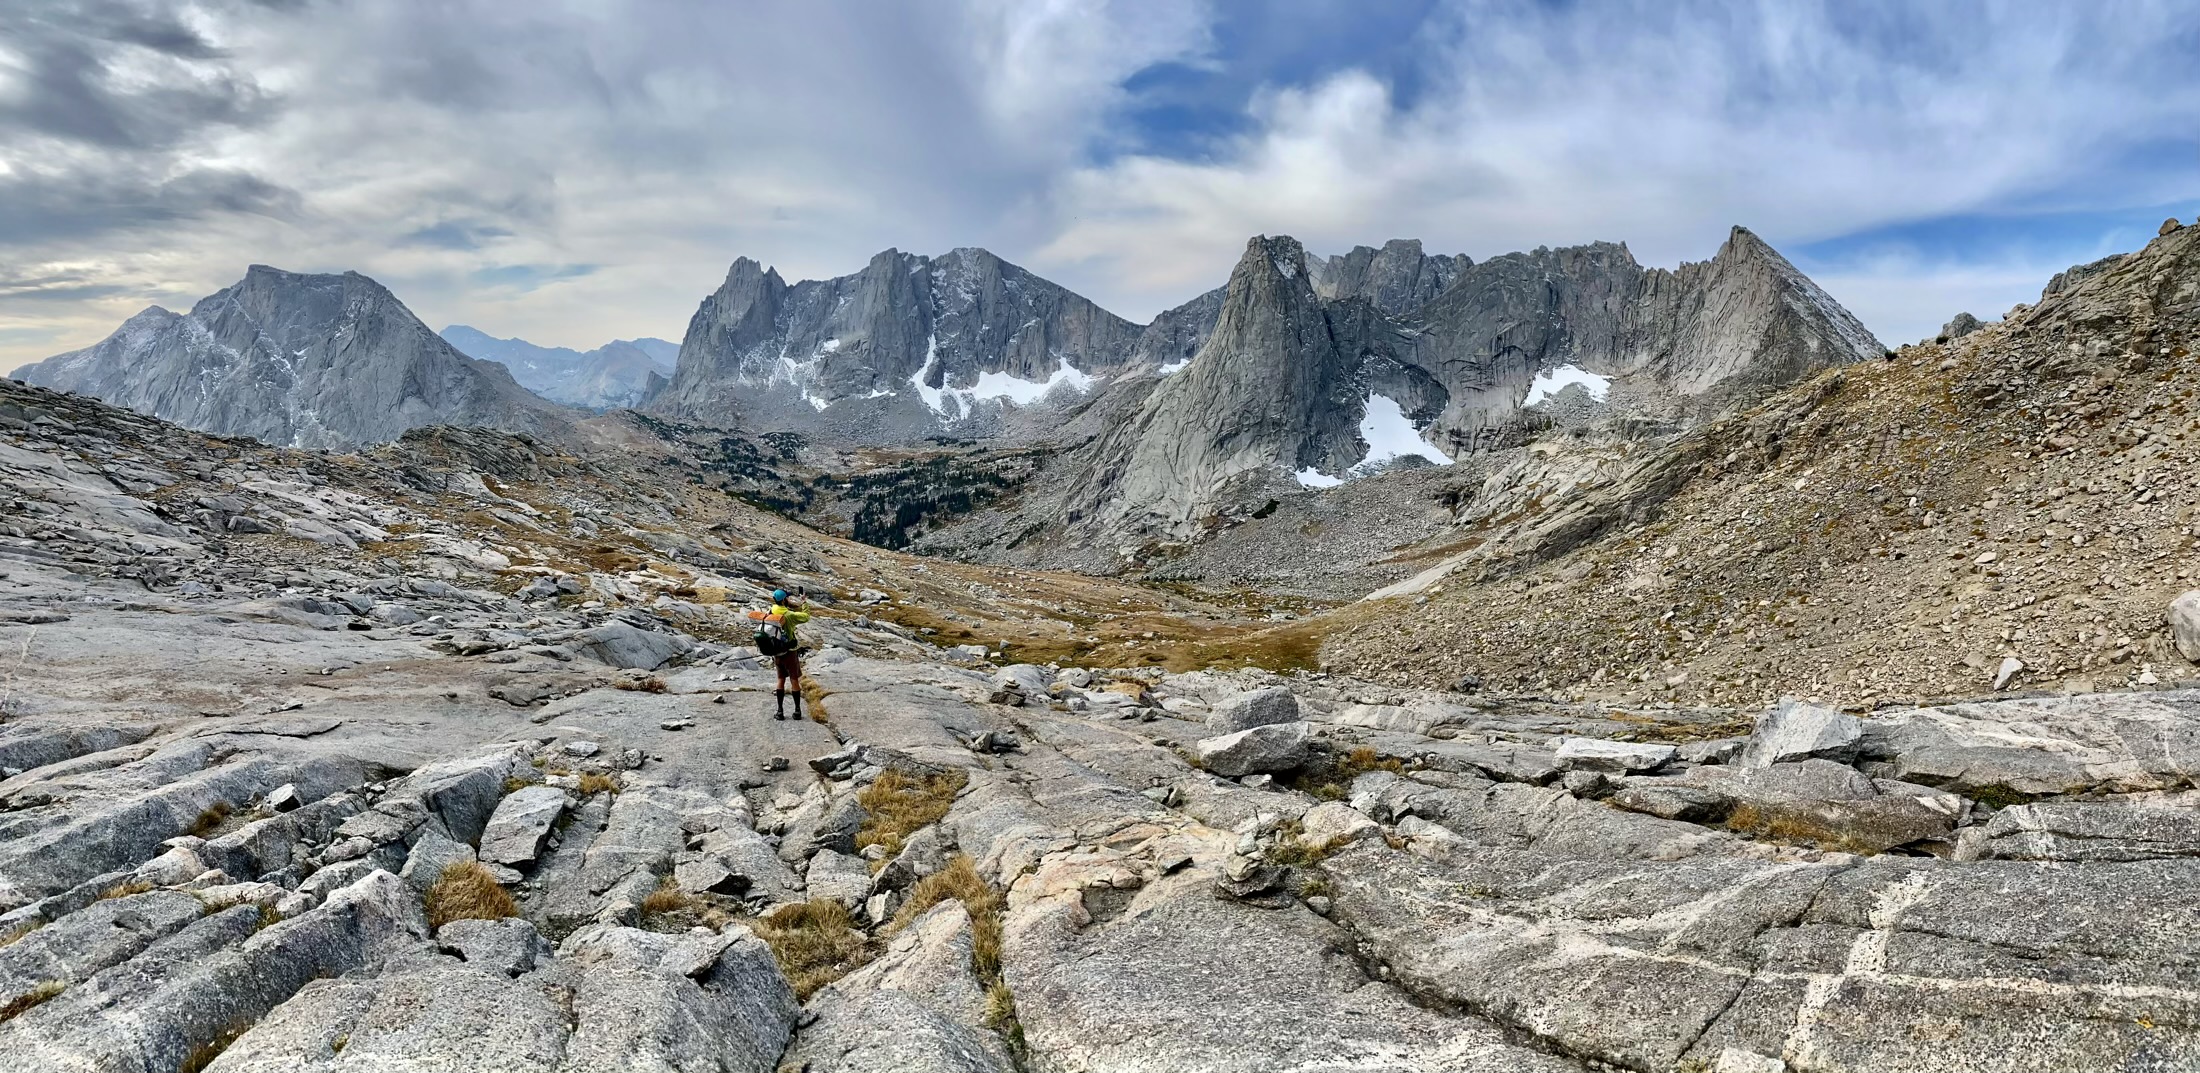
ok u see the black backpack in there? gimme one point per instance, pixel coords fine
(771, 637)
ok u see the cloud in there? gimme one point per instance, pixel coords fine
(471, 153)
(524, 278)
(1661, 124)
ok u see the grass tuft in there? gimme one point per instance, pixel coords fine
(1292, 850)
(813, 697)
(210, 820)
(897, 805)
(596, 783)
(960, 881)
(648, 684)
(125, 889)
(815, 942)
(1329, 777)
(37, 996)
(466, 891)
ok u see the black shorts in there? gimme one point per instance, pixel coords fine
(788, 664)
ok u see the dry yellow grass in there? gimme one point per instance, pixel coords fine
(960, 881)
(650, 684)
(1780, 826)
(597, 783)
(125, 889)
(466, 891)
(896, 806)
(815, 942)
(813, 696)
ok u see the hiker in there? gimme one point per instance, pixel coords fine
(775, 637)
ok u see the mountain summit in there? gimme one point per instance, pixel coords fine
(299, 360)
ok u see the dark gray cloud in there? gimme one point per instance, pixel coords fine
(120, 75)
(122, 196)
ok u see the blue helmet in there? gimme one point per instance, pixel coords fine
(779, 596)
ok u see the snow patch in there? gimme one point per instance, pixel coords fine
(935, 398)
(1390, 435)
(828, 346)
(1175, 366)
(1026, 392)
(1314, 478)
(1549, 383)
(995, 386)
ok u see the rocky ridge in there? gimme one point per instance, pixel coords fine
(455, 770)
(325, 361)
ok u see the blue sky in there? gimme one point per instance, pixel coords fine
(573, 171)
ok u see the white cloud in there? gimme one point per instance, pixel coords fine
(1660, 124)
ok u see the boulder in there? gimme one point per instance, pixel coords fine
(1830, 805)
(922, 854)
(1672, 801)
(520, 823)
(837, 876)
(431, 856)
(621, 645)
(1026, 678)
(510, 946)
(1259, 708)
(2184, 624)
(1334, 823)
(1276, 747)
(1791, 732)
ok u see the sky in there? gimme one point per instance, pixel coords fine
(574, 171)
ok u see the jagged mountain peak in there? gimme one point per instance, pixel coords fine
(906, 347)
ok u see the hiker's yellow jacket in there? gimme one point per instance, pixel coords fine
(789, 618)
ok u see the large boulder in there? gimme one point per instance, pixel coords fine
(1020, 682)
(1791, 732)
(1261, 707)
(1830, 805)
(2184, 624)
(621, 645)
(1263, 749)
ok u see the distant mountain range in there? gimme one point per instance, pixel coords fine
(1303, 371)
(613, 375)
